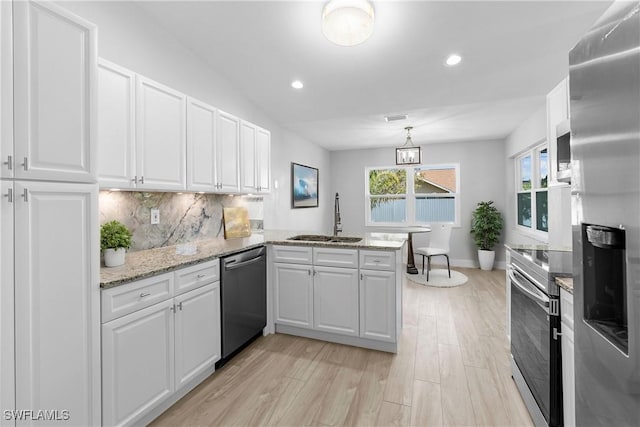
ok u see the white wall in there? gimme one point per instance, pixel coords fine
(128, 37)
(481, 178)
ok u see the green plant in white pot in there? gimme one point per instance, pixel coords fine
(486, 226)
(115, 239)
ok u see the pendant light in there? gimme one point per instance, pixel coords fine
(408, 154)
(347, 22)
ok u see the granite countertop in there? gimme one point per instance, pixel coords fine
(565, 283)
(147, 263)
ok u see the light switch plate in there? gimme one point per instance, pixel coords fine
(155, 216)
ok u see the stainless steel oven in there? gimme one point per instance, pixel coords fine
(535, 332)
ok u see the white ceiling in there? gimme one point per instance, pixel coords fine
(513, 53)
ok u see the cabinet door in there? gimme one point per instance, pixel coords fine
(263, 155)
(378, 305)
(293, 295)
(227, 142)
(160, 136)
(335, 300)
(557, 111)
(54, 93)
(7, 367)
(201, 134)
(6, 92)
(197, 332)
(57, 302)
(116, 120)
(568, 377)
(137, 363)
(248, 160)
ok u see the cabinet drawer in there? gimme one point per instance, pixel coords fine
(196, 276)
(378, 260)
(125, 299)
(566, 308)
(292, 254)
(332, 257)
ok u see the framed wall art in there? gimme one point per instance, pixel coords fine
(304, 186)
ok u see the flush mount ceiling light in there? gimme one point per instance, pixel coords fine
(408, 154)
(453, 59)
(347, 22)
(297, 84)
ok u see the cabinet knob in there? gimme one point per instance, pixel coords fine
(144, 294)
(200, 276)
(9, 162)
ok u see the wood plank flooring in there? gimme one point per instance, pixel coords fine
(452, 369)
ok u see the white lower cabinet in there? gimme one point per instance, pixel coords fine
(335, 300)
(153, 355)
(378, 305)
(293, 294)
(137, 363)
(568, 364)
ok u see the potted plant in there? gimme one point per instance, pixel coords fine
(115, 239)
(486, 226)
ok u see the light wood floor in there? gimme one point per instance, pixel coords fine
(452, 368)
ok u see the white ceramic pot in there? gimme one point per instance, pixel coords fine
(486, 259)
(114, 257)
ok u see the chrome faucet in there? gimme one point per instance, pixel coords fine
(337, 225)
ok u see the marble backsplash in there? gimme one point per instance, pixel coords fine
(184, 217)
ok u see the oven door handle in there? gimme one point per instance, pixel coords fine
(531, 292)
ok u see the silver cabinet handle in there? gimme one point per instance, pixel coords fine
(135, 179)
(25, 164)
(142, 180)
(9, 195)
(9, 162)
(180, 306)
(173, 308)
(200, 276)
(361, 276)
(144, 294)
(25, 195)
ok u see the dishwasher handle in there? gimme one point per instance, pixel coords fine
(232, 265)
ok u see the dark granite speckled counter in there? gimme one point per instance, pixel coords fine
(141, 264)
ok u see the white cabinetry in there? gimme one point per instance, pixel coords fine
(293, 290)
(227, 152)
(7, 157)
(378, 305)
(255, 155)
(160, 136)
(335, 300)
(201, 138)
(116, 126)
(7, 367)
(56, 298)
(54, 93)
(568, 364)
(160, 337)
(557, 112)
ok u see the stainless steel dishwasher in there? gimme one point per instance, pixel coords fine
(243, 300)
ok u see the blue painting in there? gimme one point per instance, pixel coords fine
(304, 186)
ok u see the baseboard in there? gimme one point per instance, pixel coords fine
(464, 263)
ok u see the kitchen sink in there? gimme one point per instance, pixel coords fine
(324, 238)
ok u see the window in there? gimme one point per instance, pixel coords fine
(404, 196)
(532, 175)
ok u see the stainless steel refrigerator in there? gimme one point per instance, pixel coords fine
(604, 79)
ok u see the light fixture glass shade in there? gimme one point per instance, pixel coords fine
(347, 22)
(408, 154)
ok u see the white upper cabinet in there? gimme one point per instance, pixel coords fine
(116, 120)
(55, 88)
(248, 172)
(557, 112)
(227, 148)
(255, 155)
(201, 137)
(7, 158)
(263, 156)
(160, 136)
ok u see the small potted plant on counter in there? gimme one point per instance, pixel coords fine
(486, 226)
(115, 239)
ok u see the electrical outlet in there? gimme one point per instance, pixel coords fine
(155, 216)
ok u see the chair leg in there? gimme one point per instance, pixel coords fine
(423, 265)
(428, 267)
(448, 268)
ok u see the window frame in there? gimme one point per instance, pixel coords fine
(536, 187)
(410, 196)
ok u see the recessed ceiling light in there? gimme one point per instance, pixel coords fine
(453, 59)
(297, 84)
(395, 117)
